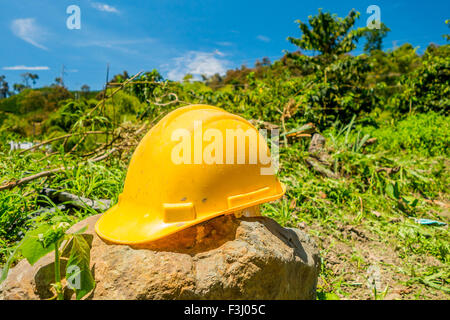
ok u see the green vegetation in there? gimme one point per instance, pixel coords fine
(384, 116)
(49, 237)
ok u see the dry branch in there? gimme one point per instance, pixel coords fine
(318, 167)
(114, 92)
(15, 183)
(167, 103)
(60, 138)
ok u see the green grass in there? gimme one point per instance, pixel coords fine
(354, 220)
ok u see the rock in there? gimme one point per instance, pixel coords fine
(224, 258)
(317, 143)
(73, 200)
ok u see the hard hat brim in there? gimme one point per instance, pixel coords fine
(132, 225)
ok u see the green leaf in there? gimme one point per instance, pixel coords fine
(78, 272)
(411, 201)
(327, 296)
(82, 230)
(390, 190)
(7, 265)
(396, 192)
(32, 247)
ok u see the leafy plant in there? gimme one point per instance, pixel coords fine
(404, 203)
(48, 238)
(328, 34)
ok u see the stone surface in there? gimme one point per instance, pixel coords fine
(224, 258)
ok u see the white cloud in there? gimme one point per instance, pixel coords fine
(22, 67)
(224, 43)
(219, 53)
(104, 7)
(198, 63)
(115, 43)
(28, 30)
(127, 46)
(263, 38)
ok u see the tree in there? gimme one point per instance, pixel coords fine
(85, 89)
(265, 62)
(328, 34)
(447, 36)
(214, 81)
(188, 77)
(59, 82)
(4, 88)
(118, 78)
(27, 76)
(34, 78)
(33, 100)
(374, 38)
(143, 86)
(18, 87)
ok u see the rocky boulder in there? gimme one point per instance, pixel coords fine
(224, 258)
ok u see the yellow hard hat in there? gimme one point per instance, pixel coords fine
(190, 168)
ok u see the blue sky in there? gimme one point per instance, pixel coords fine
(177, 37)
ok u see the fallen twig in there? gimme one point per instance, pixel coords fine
(60, 138)
(304, 131)
(167, 103)
(15, 183)
(389, 170)
(104, 156)
(123, 84)
(318, 167)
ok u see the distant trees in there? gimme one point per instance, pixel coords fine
(239, 76)
(188, 77)
(264, 63)
(447, 36)
(144, 85)
(328, 34)
(85, 90)
(27, 77)
(18, 87)
(374, 38)
(42, 100)
(59, 82)
(4, 88)
(120, 77)
(32, 101)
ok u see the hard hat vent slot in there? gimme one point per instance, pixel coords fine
(176, 212)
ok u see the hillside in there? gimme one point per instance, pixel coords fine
(383, 166)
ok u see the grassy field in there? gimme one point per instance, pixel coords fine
(373, 192)
(362, 218)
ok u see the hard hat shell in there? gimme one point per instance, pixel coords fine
(162, 196)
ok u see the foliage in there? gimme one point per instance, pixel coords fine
(122, 104)
(329, 34)
(43, 99)
(428, 87)
(422, 134)
(397, 99)
(49, 237)
(144, 91)
(374, 37)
